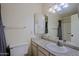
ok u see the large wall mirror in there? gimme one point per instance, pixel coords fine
(70, 23)
(69, 16)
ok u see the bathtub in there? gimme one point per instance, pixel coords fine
(19, 49)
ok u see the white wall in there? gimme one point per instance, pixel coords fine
(78, 10)
(19, 15)
(52, 25)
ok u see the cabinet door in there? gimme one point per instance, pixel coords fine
(34, 50)
(52, 54)
(40, 53)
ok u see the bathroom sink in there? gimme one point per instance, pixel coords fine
(55, 48)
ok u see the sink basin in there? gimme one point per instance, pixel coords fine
(55, 48)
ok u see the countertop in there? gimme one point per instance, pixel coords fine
(42, 43)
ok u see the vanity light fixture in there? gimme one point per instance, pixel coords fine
(66, 5)
(52, 10)
(62, 4)
(58, 7)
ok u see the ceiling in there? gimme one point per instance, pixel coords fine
(70, 10)
(65, 12)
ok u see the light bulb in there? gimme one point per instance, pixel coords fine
(65, 6)
(56, 6)
(53, 11)
(59, 9)
(62, 4)
(50, 9)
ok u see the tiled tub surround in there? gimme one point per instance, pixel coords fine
(42, 43)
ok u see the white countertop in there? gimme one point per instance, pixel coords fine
(42, 43)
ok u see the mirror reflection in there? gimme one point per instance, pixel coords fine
(61, 23)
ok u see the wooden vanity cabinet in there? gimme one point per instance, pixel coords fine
(51, 54)
(39, 51)
(42, 52)
(34, 49)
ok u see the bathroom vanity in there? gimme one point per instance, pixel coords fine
(39, 48)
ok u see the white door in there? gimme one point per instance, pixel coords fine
(66, 28)
(75, 30)
(66, 31)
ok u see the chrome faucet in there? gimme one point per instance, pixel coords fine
(61, 42)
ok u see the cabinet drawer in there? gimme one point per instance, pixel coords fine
(45, 52)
